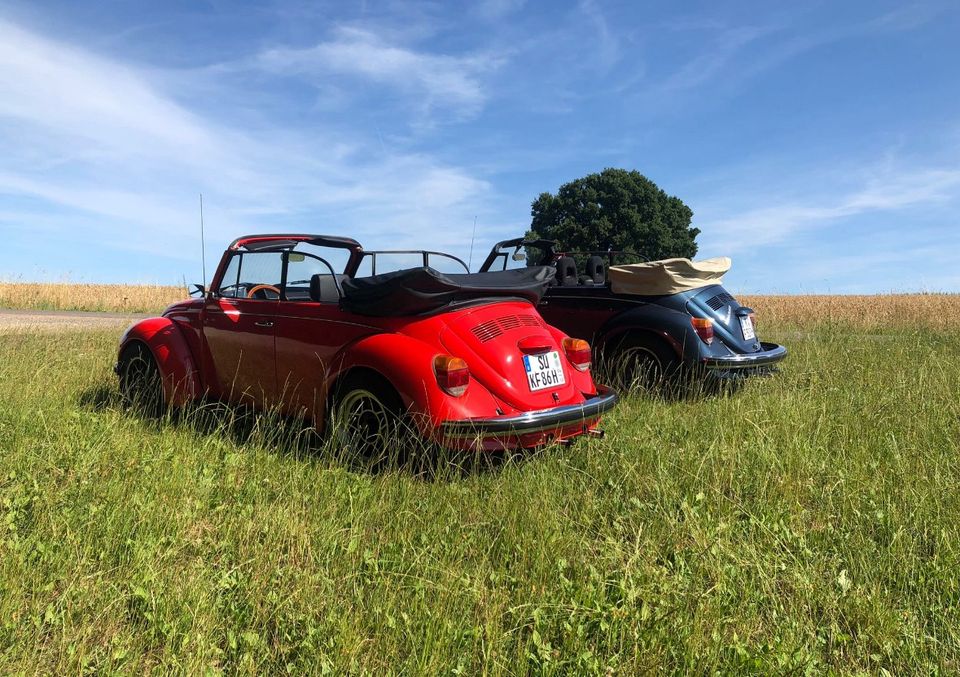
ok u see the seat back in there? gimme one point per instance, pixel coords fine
(596, 272)
(323, 288)
(566, 271)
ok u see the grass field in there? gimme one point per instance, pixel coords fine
(809, 523)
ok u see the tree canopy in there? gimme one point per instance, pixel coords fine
(616, 209)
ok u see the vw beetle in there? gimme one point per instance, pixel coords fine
(653, 322)
(463, 360)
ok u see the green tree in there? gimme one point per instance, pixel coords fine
(615, 209)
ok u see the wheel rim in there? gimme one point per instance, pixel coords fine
(141, 383)
(361, 423)
(642, 366)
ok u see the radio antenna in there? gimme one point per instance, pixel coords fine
(203, 249)
(472, 238)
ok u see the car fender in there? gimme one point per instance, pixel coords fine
(181, 382)
(407, 364)
(583, 380)
(672, 326)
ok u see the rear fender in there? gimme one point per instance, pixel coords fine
(407, 363)
(181, 382)
(582, 380)
(671, 326)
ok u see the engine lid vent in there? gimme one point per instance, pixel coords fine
(720, 300)
(491, 329)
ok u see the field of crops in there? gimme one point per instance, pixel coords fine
(118, 298)
(808, 523)
(935, 311)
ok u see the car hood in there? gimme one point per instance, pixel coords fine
(489, 338)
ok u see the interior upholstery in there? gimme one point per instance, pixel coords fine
(324, 289)
(567, 272)
(595, 272)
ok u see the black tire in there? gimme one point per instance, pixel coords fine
(367, 422)
(141, 385)
(643, 361)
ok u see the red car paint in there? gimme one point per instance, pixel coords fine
(290, 353)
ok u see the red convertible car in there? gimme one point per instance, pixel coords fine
(463, 359)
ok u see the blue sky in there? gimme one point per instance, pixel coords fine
(818, 144)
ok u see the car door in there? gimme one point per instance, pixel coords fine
(239, 319)
(310, 335)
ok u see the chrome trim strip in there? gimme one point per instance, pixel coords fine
(534, 421)
(768, 356)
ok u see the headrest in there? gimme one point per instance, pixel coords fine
(315, 291)
(323, 288)
(566, 271)
(595, 270)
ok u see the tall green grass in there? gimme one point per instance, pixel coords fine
(808, 523)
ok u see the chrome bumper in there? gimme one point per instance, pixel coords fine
(534, 421)
(770, 355)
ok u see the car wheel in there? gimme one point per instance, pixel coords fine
(366, 420)
(644, 362)
(141, 385)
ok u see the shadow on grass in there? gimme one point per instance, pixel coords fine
(296, 437)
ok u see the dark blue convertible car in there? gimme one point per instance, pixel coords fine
(657, 322)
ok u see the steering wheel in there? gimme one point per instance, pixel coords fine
(258, 287)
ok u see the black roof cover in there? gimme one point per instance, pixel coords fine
(415, 291)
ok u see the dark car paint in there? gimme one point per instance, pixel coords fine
(595, 313)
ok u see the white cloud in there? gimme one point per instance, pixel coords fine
(96, 136)
(887, 191)
(433, 80)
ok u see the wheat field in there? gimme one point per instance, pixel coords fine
(928, 310)
(117, 298)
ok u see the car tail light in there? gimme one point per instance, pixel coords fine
(578, 352)
(453, 375)
(753, 320)
(704, 328)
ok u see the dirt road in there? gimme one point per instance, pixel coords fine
(61, 320)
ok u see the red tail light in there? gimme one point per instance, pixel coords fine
(578, 352)
(704, 328)
(452, 373)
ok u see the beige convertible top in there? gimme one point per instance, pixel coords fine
(668, 276)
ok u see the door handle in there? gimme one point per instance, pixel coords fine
(264, 323)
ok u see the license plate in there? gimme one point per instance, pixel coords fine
(746, 325)
(544, 370)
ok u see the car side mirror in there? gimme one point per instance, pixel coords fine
(519, 256)
(199, 290)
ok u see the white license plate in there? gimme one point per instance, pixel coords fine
(746, 326)
(544, 370)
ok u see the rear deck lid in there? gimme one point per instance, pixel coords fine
(495, 338)
(730, 322)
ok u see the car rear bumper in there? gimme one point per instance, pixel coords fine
(770, 355)
(549, 424)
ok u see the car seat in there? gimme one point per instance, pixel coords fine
(323, 287)
(595, 273)
(566, 271)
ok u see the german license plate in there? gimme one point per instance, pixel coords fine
(544, 370)
(746, 325)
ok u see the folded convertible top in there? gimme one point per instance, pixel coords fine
(415, 291)
(669, 276)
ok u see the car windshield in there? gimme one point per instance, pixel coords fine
(520, 256)
(380, 262)
(337, 257)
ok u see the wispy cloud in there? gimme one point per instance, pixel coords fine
(606, 47)
(87, 133)
(783, 217)
(432, 81)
